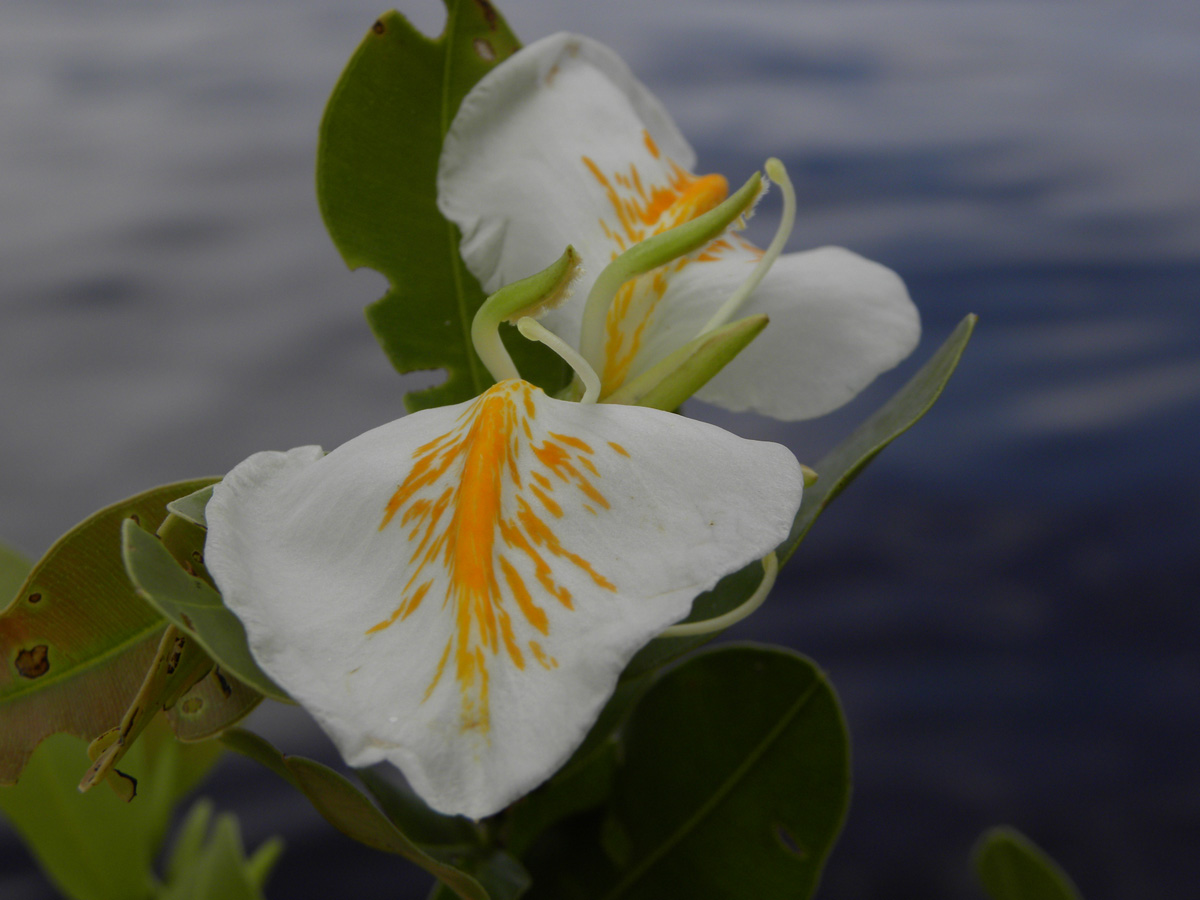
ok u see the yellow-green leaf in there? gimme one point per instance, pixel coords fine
(77, 640)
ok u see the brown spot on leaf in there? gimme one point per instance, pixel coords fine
(187, 621)
(34, 662)
(193, 705)
(136, 519)
(197, 556)
(484, 49)
(176, 652)
(226, 688)
(489, 13)
(378, 27)
(35, 598)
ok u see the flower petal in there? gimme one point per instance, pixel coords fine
(457, 592)
(561, 144)
(837, 321)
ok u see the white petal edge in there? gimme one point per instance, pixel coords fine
(294, 545)
(510, 174)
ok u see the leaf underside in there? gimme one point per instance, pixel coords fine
(77, 640)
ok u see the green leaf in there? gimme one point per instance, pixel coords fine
(349, 810)
(847, 461)
(214, 703)
(734, 781)
(213, 866)
(193, 606)
(1011, 867)
(77, 629)
(436, 833)
(193, 505)
(377, 158)
(14, 568)
(94, 846)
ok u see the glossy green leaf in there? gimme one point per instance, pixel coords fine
(1011, 867)
(212, 865)
(77, 640)
(193, 606)
(734, 781)
(14, 569)
(377, 162)
(349, 810)
(94, 846)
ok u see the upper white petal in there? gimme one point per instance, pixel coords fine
(296, 545)
(512, 174)
(837, 321)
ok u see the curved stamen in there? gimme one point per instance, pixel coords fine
(650, 254)
(778, 174)
(770, 564)
(536, 331)
(529, 296)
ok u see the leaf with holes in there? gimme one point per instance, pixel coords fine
(77, 639)
(734, 782)
(1011, 867)
(377, 161)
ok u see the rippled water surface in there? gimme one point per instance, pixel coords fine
(1007, 602)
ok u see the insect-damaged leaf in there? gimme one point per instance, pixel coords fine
(77, 640)
(193, 606)
(377, 163)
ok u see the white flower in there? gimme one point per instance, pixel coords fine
(560, 143)
(458, 591)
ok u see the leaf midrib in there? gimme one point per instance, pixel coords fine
(478, 383)
(82, 668)
(652, 859)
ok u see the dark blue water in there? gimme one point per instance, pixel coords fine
(1007, 601)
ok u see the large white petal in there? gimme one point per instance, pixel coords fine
(593, 527)
(837, 321)
(538, 151)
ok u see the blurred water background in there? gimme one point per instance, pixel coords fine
(1007, 601)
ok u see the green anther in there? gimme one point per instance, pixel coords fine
(527, 297)
(654, 252)
(671, 381)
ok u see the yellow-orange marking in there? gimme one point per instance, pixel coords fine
(643, 207)
(463, 504)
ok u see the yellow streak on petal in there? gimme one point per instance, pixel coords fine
(464, 498)
(618, 448)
